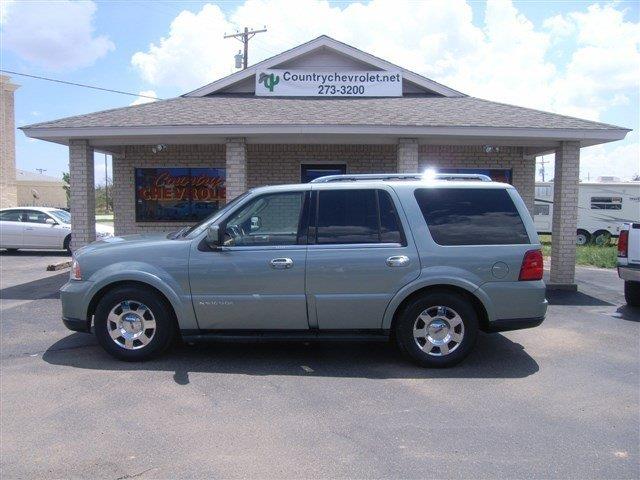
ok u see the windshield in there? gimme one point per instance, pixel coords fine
(201, 226)
(61, 215)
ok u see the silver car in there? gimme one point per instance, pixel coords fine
(39, 228)
(426, 262)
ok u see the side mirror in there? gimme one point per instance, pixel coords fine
(50, 221)
(213, 236)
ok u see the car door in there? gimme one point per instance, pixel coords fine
(40, 234)
(360, 254)
(256, 280)
(11, 229)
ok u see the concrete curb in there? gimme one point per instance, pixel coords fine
(58, 266)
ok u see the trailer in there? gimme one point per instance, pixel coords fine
(602, 209)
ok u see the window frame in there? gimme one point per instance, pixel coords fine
(314, 211)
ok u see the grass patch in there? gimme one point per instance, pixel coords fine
(593, 255)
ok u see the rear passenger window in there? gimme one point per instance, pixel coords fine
(356, 216)
(457, 216)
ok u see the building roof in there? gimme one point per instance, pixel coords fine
(34, 177)
(227, 107)
(396, 111)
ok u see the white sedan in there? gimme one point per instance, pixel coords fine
(39, 228)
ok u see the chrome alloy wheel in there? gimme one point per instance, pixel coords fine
(131, 325)
(438, 331)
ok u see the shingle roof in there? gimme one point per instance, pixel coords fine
(418, 111)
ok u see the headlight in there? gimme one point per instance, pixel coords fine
(75, 273)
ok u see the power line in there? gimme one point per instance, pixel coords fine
(79, 84)
(244, 37)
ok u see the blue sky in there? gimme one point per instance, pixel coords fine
(577, 58)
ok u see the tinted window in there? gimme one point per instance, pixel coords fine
(11, 216)
(266, 220)
(390, 231)
(357, 216)
(457, 216)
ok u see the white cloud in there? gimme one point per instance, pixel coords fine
(621, 160)
(507, 59)
(55, 35)
(580, 63)
(145, 98)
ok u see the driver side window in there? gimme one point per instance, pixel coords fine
(267, 220)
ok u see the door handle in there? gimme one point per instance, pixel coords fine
(398, 261)
(28, 228)
(281, 263)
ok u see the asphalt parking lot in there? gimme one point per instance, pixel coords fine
(560, 401)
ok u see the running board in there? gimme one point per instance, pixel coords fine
(285, 335)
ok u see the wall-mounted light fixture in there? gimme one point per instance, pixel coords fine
(158, 148)
(491, 149)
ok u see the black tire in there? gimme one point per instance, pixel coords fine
(409, 316)
(601, 238)
(165, 330)
(632, 293)
(67, 243)
(586, 237)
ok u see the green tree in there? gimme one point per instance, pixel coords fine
(67, 189)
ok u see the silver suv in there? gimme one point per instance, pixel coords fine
(425, 262)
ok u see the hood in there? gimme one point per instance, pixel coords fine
(123, 241)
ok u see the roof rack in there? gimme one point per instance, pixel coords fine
(401, 176)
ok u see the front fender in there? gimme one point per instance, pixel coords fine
(151, 275)
(461, 279)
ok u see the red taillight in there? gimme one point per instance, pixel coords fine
(531, 266)
(623, 243)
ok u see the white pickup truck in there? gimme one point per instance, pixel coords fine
(629, 262)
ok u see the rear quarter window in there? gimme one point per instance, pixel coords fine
(473, 216)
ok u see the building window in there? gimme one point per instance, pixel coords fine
(503, 175)
(541, 209)
(606, 203)
(178, 194)
(310, 172)
(543, 191)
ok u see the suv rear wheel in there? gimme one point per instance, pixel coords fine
(133, 323)
(438, 329)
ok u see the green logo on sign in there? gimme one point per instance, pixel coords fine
(269, 81)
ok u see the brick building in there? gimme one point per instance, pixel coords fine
(321, 107)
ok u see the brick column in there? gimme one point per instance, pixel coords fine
(565, 215)
(407, 155)
(236, 157)
(83, 198)
(8, 190)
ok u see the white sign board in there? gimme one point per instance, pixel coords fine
(328, 83)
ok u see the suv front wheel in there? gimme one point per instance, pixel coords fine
(133, 323)
(438, 329)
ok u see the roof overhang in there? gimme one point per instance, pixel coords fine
(325, 134)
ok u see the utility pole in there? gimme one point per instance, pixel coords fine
(244, 37)
(543, 162)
